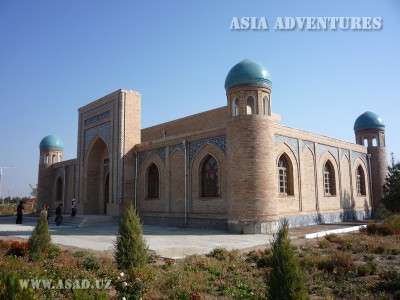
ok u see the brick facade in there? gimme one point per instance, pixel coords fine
(114, 157)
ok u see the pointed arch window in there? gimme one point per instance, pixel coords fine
(266, 105)
(210, 177)
(235, 107)
(59, 189)
(153, 182)
(329, 179)
(360, 179)
(54, 158)
(285, 176)
(251, 106)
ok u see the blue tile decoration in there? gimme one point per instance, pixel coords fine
(102, 130)
(219, 142)
(291, 142)
(98, 117)
(320, 218)
(355, 155)
(98, 108)
(344, 152)
(59, 172)
(176, 146)
(160, 152)
(310, 145)
(325, 148)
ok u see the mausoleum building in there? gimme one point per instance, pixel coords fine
(234, 167)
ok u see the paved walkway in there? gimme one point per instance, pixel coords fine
(171, 242)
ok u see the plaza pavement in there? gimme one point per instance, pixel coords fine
(168, 242)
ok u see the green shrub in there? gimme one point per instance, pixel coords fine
(394, 221)
(369, 268)
(10, 288)
(130, 247)
(363, 270)
(91, 263)
(53, 251)
(383, 213)
(133, 284)
(389, 281)
(286, 279)
(220, 254)
(260, 257)
(40, 239)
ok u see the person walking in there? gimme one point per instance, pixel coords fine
(20, 208)
(59, 216)
(73, 208)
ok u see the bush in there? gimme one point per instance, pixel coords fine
(380, 229)
(369, 268)
(262, 258)
(53, 252)
(286, 279)
(19, 249)
(383, 213)
(219, 254)
(389, 282)
(91, 263)
(40, 238)
(394, 221)
(343, 263)
(130, 247)
(10, 288)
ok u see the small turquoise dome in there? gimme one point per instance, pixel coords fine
(369, 120)
(248, 72)
(51, 142)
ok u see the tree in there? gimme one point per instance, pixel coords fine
(391, 189)
(285, 279)
(130, 247)
(40, 239)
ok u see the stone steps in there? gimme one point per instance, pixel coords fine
(85, 220)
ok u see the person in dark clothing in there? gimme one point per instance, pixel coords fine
(59, 216)
(73, 208)
(20, 208)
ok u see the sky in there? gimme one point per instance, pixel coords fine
(56, 56)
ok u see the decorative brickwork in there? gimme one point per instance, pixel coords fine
(293, 143)
(102, 130)
(160, 152)
(219, 142)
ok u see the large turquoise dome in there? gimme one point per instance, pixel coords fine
(369, 120)
(248, 72)
(51, 142)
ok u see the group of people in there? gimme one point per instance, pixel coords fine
(59, 216)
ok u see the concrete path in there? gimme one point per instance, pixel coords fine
(171, 242)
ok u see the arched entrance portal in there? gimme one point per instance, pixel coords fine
(97, 178)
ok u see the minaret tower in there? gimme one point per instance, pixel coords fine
(51, 151)
(370, 132)
(252, 192)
